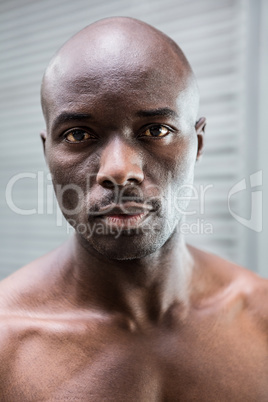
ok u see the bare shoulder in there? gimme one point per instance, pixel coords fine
(27, 298)
(16, 291)
(18, 288)
(237, 284)
(39, 297)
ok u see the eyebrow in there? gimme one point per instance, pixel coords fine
(163, 112)
(66, 116)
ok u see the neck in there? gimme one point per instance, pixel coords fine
(146, 289)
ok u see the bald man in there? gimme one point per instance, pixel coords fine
(125, 310)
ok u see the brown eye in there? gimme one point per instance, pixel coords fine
(156, 131)
(77, 136)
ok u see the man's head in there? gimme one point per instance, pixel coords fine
(120, 102)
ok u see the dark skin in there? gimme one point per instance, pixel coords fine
(139, 316)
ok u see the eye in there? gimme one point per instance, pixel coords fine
(77, 135)
(156, 131)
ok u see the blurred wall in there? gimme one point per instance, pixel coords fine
(262, 124)
(226, 43)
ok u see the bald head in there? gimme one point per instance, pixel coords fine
(115, 49)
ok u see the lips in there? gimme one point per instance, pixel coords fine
(125, 221)
(124, 216)
(130, 208)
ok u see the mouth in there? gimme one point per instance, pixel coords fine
(125, 216)
(124, 221)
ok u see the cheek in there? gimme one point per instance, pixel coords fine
(187, 157)
(72, 176)
(178, 180)
(75, 167)
(176, 161)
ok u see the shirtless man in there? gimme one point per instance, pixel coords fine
(129, 313)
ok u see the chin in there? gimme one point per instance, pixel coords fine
(127, 247)
(129, 244)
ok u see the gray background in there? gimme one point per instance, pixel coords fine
(226, 43)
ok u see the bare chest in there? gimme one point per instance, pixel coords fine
(204, 365)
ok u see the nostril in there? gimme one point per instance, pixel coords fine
(108, 184)
(112, 183)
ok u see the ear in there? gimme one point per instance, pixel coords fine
(200, 126)
(43, 136)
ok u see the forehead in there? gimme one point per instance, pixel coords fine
(114, 71)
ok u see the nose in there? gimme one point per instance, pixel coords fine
(120, 164)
